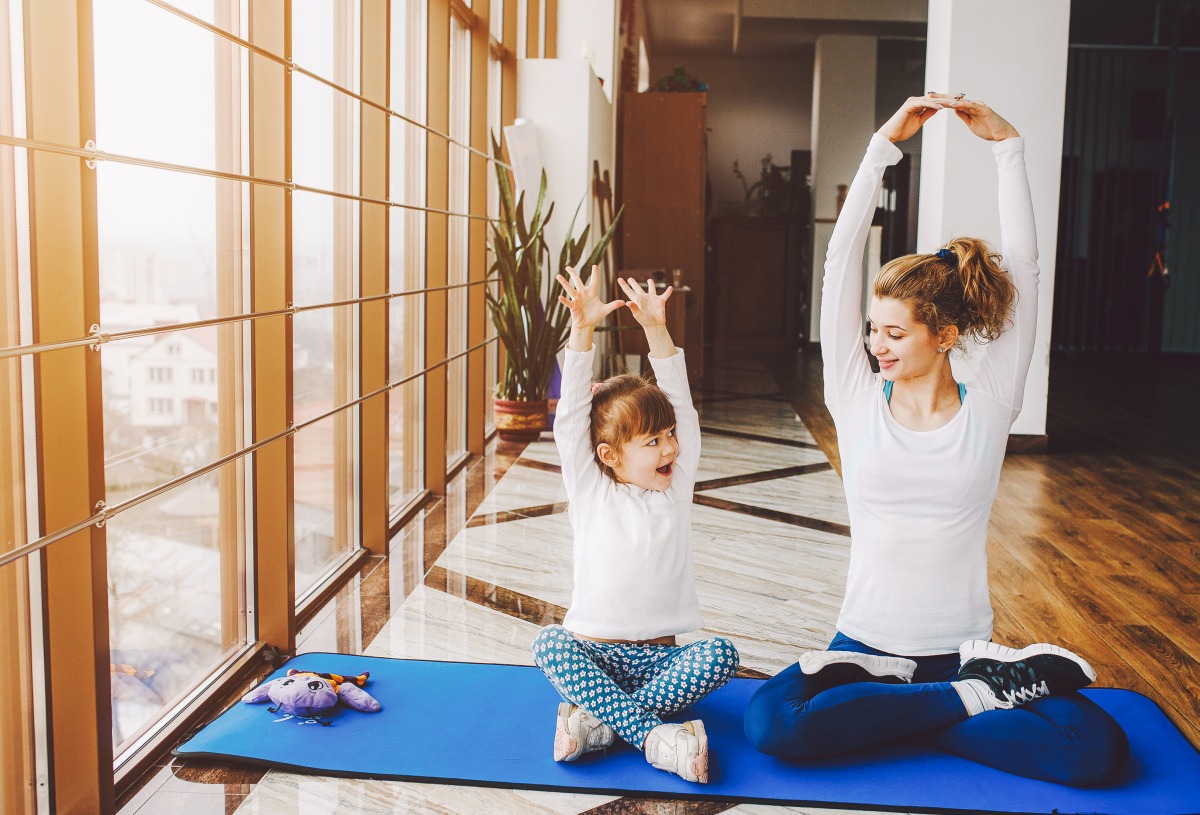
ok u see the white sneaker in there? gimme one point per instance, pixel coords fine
(681, 749)
(578, 732)
(851, 666)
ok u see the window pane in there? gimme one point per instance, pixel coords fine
(165, 113)
(326, 453)
(22, 713)
(177, 596)
(324, 248)
(326, 497)
(458, 249)
(325, 143)
(171, 405)
(405, 443)
(325, 39)
(169, 243)
(223, 14)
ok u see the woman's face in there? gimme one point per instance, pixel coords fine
(903, 346)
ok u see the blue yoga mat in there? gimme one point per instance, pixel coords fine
(493, 725)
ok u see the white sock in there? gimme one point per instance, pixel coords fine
(976, 696)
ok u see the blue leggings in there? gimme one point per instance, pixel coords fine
(1066, 738)
(628, 686)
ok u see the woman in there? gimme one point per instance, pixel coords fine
(921, 458)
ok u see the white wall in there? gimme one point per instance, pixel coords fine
(1014, 57)
(843, 120)
(563, 100)
(590, 26)
(755, 107)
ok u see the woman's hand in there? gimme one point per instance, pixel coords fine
(984, 122)
(649, 309)
(916, 111)
(587, 311)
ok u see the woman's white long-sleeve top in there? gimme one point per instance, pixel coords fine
(919, 501)
(633, 571)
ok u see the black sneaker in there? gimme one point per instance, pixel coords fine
(1019, 676)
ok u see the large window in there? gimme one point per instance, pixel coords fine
(171, 245)
(191, 301)
(325, 157)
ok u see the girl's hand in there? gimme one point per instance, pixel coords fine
(586, 309)
(916, 111)
(984, 122)
(649, 309)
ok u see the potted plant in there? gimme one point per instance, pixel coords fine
(532, 324)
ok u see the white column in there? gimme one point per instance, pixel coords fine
(843, 119)
(587, 29)
(1013, 56)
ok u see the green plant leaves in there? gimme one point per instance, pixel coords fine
(532, 324)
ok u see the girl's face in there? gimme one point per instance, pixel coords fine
(903, 346)
(647, 461)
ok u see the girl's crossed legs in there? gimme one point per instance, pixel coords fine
(630, 686)
(1065, 738)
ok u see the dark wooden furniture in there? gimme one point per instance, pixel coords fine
(760, 287)
(632, 337)
(662, 174)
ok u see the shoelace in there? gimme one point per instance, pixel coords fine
(1023, 695)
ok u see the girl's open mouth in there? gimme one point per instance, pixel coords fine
(665, 469)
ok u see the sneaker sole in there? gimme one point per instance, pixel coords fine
(568, 746)
(851, 666)
(699, 766)
(975, 649)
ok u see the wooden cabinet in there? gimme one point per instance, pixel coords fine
(760, 283)
(662, 180)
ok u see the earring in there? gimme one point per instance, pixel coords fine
(941, 350)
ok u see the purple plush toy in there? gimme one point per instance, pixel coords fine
(310, 695)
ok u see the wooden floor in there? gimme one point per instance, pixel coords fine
(1095, 545)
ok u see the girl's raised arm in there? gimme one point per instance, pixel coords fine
(670, 371)
(572, 420)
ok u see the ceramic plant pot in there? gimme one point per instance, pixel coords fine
(519, 420)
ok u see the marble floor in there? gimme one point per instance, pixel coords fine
(480, 571)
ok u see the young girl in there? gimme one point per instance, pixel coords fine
(629, 453)
(921, 458)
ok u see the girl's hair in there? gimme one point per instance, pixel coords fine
(625, 407)
(961, 285)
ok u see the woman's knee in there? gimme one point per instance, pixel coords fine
(775, 724)
(1097, 758)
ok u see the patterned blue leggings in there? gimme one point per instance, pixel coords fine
(630, 685)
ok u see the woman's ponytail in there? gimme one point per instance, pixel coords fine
(988, 291)
(961, 284)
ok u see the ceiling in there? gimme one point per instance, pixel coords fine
(788, 28)
(772, 28)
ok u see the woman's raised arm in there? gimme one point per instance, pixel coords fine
(1005, 364)
(847, 369)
